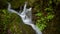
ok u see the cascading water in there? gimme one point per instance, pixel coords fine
(26, 17)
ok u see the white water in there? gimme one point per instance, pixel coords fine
(26, 17)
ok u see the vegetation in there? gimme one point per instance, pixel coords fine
(46, 14)
(42, 20)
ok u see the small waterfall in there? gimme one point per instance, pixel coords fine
(26, 17)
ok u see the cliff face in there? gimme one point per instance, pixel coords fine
(12, 23)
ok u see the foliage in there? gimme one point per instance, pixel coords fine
(42, 20)
(3, 20)
(7, 22)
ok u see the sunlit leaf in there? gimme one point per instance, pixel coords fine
(39, 14)
(50, 16)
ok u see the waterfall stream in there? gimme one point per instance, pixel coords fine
(26, 17)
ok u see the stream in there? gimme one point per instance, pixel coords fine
(26, 16)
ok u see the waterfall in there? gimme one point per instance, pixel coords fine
(26, 17)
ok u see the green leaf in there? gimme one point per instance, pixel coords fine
(50, 16)
(4, 11)
(39, 14)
